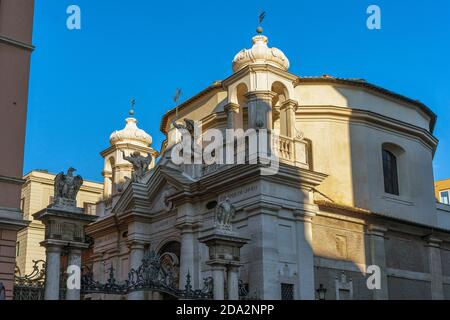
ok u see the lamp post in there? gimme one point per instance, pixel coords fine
(321, 292)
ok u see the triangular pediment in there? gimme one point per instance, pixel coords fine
(151, 195)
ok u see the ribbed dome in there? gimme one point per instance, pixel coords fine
(260, 53)
(131, 134)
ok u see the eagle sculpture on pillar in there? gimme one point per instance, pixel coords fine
(67, 187)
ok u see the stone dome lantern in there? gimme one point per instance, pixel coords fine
(131, 134)
(260, 53)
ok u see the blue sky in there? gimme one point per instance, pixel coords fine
(82, 80)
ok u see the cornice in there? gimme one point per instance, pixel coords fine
(17, 43)
(12, 180)
(372, 88)
(369, 118)
(258, 68)
(124, 146)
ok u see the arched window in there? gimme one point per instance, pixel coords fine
(390, 172)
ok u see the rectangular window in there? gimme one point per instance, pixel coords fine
(390, 173)
(22, 204)
(287, 291)
(17, 248)
(445, 197)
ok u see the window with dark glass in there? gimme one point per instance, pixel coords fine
(445, 197)
(390, 173)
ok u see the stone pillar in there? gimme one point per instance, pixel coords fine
(233, 120)
(287, 118)
(224, 253)
(434, 249)
(52, 272)
(305, 256)
(136, 257)
(378, 258)
(263, 259)
(74, 260)
(233, 282)
(260, 109)
(63, 212)
(219, 282)
(187, 255)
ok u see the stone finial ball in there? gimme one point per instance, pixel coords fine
(131, 112)
(259, 30)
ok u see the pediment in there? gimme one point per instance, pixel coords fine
(151, 196)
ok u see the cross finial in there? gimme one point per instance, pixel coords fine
(132, 104)
(261, 18)
(176, 98)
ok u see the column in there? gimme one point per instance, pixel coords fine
(305, 256)
(74, 262)
(233, 120)
(434, 249)
(187, 255)
(378, 257)
(136, 256)
(52, 272)
(287, 116)
(219, 282)
(260, 109)
(233, 283)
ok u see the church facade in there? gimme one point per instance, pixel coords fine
(352, 195)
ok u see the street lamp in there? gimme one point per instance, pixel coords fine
(321, 292)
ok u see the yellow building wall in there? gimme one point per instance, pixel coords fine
(441, 185)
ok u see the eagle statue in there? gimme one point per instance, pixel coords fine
(67, 185)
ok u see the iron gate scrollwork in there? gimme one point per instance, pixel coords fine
(32, 286)
(153, 274)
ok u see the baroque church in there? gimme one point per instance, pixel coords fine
(353, 190)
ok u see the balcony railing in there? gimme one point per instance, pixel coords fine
(293, 151)
(296, 151)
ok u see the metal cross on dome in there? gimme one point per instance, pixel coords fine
(132, 103)
(176, 98)
(261, 18)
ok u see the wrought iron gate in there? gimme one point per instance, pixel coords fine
(32, 286)
(152, 275)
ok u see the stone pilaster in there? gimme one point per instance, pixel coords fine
(305, 256)
(434, 249)
(260, 109)
(233, 116)
(74, 261)
(137, 249)
(52, 271)
(378, 258)
(187, 253)
(263, 266)
(287, 117)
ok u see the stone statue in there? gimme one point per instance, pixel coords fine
(167, 204)
(66, 188)
(140, 164)
(224, 213)
(188, 126)
(208, 285)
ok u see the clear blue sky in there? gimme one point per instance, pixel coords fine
(82, 81)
